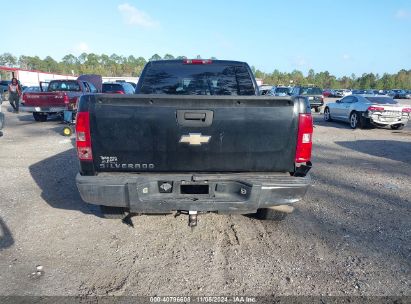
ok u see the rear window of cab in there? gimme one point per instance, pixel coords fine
(69, 86)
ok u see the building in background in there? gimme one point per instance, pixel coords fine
(259, 81)
(119, 79)
(31, 78)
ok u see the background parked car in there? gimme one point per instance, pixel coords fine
(382, 92)
(346, 92)
(133, 84)
(398, 94)
(61, 95)
(359, 92)
(29, 90)
(264, 89)
(118, 88)
(363, 110)
(329, 93)
(32, 89)
(339, 93)
(280, 91)
(313, 94)
(3, 87)
(371, 92)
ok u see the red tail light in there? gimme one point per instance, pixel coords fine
(83, 138)
(375, 109)
(24, 97)
(197, 61)
(406, 110)
(66, 99)
(304, 138)
(118, 92)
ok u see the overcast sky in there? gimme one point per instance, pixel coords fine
(343, 37)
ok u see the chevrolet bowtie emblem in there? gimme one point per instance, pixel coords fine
(195, 139)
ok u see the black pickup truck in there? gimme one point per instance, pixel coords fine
(195, 138)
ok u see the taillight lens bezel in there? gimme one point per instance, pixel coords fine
(375, 109)
(304, 138)
(66, 99)
(83, 137)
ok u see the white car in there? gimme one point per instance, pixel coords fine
(346, 92)
(343, 93)
(363, 110)
(280, 91)
(264, 89)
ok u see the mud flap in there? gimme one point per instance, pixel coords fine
(303, 170)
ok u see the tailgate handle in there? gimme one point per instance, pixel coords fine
(194, 116)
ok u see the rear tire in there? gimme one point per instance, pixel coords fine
(356, 120)
(109, 212)
(397, 127)
(270, 215)
(317, 109)
(327, 114)
(38, 116)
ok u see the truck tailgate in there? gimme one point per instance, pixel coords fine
(55, 99)
(159, 133)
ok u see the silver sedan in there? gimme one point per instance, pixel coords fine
(364, 110)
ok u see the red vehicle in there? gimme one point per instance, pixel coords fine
(328, 93)
(60, 95)
(118, 88)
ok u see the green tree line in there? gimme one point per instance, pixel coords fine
(117, 65)
(401, 80)
(113, 65)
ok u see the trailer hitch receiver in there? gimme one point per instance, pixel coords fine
(192, 218)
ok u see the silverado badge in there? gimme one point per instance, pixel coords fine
(195, 139)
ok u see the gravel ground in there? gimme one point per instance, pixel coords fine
(351, 235)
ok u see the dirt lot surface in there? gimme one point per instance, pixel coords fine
(351, 235)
